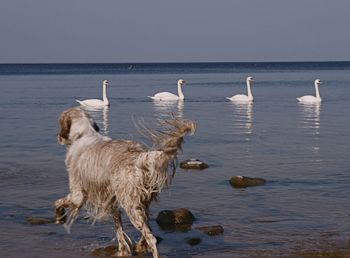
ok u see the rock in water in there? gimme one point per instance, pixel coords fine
(193, 164)
(108, 251)
(212, 230)
(166, 217)
(39, 220)
(180, 219)
(193, 241)
(243, 181)
(183, 216)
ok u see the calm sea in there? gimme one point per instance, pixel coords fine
(302, 152)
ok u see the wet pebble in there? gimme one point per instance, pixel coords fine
(193, 241)
(39, 220)
(107, 251)
(243, 181)
(193, 164)
(212, 230)
(179, 219)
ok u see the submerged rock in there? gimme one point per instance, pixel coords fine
(193, 164)
(193, 241)
(108, 251)
(243, 181)
(40, 220)
(212, 230)
(180, 219)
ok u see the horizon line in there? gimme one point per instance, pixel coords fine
(173, 62)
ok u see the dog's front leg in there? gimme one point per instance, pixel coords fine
(60, 212)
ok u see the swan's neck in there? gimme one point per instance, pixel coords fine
(104, 94)
(179, 91)
(249, 90)
(317, 91)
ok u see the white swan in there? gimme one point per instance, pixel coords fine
(312, 99)
(96, 103)
(242, 97)
(170, 96)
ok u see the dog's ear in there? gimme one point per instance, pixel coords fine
(65, 123)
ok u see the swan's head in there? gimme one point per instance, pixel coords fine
(181, 82)
(318, 81)
(105, 83)
(250, 79)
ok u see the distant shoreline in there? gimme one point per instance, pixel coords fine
(167, 68)
(177, 63)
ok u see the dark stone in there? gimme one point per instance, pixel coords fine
(166, 217)
(39, 220)
(107, 251)
(159, 239)
(193, 241)
(193, 164)
(182, 228)
(212, 230)
(183, 216)
(243, 181)
(179, 220)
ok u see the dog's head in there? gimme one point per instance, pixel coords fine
(75, 123)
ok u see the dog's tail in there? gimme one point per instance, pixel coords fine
(166, 144)
(170, 137)
(170, 140)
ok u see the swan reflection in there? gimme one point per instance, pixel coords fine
(164, 108)
(101, 117)
(311, 116)
(243, 116)
(311, 122)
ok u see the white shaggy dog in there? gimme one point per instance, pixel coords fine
(106, 175)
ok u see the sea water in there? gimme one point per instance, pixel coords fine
(301, 150)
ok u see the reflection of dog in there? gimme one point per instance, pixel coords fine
(106, 175)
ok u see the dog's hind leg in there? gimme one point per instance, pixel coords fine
(139, 219)
(124, 242)
(141, 246)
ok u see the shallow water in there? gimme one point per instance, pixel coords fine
(301, 150)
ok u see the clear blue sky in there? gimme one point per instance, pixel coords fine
(34, 31)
